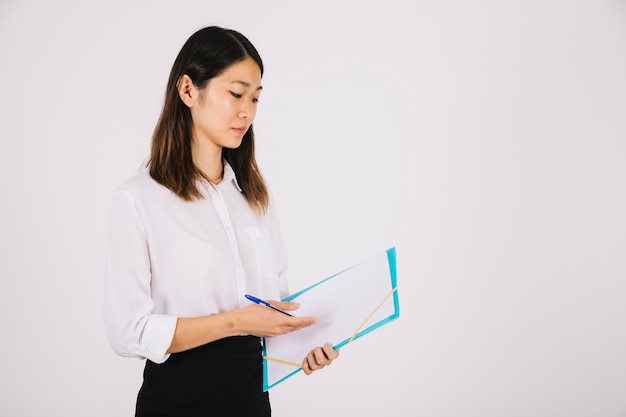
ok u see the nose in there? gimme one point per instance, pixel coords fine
(246, 111)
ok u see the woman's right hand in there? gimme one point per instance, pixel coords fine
(262, 321)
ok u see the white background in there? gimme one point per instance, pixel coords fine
(484, 139)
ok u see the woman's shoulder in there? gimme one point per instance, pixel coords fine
(141, 180)
(142, 185)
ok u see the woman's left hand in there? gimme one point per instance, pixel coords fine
(319, 358)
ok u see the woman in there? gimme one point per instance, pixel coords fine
(194, 232)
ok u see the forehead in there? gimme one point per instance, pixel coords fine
(246, 73)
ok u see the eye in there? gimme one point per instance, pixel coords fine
(235, 94)
(255, 100)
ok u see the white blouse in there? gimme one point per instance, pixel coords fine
(168, 258)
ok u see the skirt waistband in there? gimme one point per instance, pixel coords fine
(233, 344)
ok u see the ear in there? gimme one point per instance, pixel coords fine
(187, 91)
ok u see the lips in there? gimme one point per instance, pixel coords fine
(240, 130)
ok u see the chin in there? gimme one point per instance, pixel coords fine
(232, 144)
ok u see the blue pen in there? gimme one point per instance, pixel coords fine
(266, 304)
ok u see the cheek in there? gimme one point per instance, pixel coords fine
(217, 108)
(225, 107)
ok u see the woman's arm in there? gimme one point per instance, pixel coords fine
(254, 319)
(132, 329)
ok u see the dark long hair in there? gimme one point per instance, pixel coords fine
(205, 55)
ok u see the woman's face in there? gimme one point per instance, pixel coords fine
(223, 112)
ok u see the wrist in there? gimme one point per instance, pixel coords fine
(233, 323)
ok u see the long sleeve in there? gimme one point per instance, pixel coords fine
(132, 328)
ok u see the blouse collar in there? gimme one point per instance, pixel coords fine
(229, 175)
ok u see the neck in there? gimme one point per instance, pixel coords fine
(209, 161)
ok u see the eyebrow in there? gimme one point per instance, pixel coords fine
(246, 84)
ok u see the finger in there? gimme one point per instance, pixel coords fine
(306, 367)
(329, 352)
(312, 361)
(295, 324)
(298, 323)
(320, 357)
(285, 305)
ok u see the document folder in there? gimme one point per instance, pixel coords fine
(347, 305)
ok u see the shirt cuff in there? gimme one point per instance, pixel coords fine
(157, 337)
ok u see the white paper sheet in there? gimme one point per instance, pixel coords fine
(347, 306)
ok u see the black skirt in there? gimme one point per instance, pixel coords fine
(222, 378)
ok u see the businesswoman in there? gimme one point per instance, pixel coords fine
(191, 234)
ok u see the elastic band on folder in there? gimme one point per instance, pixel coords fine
(373, 312)
(297, 365)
